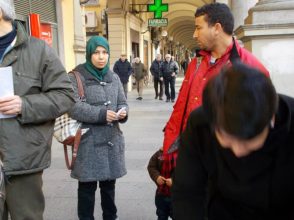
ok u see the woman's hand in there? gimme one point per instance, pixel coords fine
(122, 115)
(114, 116)
(111, 116)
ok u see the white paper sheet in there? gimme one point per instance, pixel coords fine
(6, 85)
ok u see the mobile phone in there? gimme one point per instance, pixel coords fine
(119, 111)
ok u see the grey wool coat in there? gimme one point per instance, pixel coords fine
(101, 154)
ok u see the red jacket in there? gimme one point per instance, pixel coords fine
(204, 72)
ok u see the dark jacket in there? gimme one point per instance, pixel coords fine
(155, 165)
(123, 70)
(155, 68)
(256, 187)
(46, 92)
(167, 68)
(101, 154)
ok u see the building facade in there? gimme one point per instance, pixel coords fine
(266, 27)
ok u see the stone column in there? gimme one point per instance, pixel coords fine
(269, 33)
(116, 33)
(240, 10)
(79, 33)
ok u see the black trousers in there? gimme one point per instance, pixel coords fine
(86, 200)
(170, 82)
(163, 207)
(157, 82)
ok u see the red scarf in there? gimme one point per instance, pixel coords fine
(168, 166)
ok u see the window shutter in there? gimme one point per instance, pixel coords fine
(45, 8)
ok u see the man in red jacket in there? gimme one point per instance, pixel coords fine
(214, 25)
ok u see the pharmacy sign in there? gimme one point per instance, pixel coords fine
(162, 22)
(157, 8)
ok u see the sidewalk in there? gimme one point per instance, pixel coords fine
(135, 191)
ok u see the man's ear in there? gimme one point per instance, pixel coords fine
(218, 28)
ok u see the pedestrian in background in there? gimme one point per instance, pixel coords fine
(155, 71)
(123, 69)
(214, 24)
(236, 155)
(168, 72)
(162, 195)
(174, 59)
(185, 62)
(101, 155)
(42, 92)
(140, 74)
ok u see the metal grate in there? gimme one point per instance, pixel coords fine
(46, 9)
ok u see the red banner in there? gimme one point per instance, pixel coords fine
(35, 27)
(40, 30)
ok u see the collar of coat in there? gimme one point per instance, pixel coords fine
(21, 35)
(107, 78)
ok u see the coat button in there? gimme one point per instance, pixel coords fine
(110, 144)
(107, 103)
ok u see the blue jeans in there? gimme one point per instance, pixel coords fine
(86, 200)
(163, 207)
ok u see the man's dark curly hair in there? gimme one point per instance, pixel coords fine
(217, 13)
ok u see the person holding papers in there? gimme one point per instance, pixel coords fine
(37, 90)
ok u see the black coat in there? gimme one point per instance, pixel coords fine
(259, 186)
(167, 68)
(123, 70)
(155, 68)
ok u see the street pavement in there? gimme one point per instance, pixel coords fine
(135, 191)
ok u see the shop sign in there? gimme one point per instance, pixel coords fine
(155, 22)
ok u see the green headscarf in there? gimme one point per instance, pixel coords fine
(92, 44)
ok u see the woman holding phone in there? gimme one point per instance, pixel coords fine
(101, 154)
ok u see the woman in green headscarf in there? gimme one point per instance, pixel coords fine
(101, 155)
(97, 57)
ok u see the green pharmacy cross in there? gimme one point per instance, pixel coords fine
(157, 8)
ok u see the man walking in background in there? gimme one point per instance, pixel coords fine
(42, 92)
(155, 71)
(123, 69)
(140, 73)
(168, 71)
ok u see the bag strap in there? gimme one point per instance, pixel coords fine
(78, 136)
(75, 148)
(79, 83)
